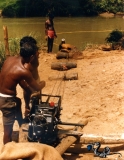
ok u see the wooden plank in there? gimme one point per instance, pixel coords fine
(65, 144)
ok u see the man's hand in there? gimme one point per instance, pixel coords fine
(46, 38)
(27, 111)
(42, 84)
(55, 36)
(36, 94)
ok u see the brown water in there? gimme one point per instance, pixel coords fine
(77, 31)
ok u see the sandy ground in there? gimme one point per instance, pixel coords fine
(97, 96)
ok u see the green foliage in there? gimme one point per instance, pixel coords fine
(35, 8)
(14, 46)
(5, 3)
(88, 7)
(111, 6)
(9, 11)
(114, 36)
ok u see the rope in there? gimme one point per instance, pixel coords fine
(84, 31)
(58, 91)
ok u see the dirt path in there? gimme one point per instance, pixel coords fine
(97, 95)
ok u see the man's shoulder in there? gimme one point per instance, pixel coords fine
(11, 59)
(47, 21)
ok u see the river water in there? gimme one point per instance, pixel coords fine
(76, 30)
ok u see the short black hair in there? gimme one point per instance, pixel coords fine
(51, 15)
(27, 39)
(28, 49)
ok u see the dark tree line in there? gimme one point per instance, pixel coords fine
(36, 8)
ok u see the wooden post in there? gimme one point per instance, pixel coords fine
(6, 41)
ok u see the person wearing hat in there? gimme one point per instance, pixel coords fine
(62, 42)
(50, 32)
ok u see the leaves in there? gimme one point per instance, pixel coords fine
(114, 36)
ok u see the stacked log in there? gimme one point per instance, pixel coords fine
(61, 66)
(67, 76)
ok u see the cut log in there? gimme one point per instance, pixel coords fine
(67, 76)
(61, 66)
(74, 54)
(65, 55)
(103, 139)
(67, 46)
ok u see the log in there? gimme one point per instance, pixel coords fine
(67, 76)
(103, 139)
(67, 46)
(74, 54)
(82, 148)
(69, 140)
(6, 41)
(65, 144)
(61, 66)
(65, 55)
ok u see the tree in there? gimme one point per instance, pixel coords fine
(88, 7)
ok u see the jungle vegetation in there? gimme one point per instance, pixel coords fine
(37, 8)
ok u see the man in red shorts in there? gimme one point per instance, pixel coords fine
(50, 32)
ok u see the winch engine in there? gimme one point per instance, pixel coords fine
(44, 118)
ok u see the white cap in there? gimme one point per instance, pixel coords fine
(63, 39)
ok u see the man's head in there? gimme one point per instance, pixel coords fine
(63, 40)
(28, 49)
(51, 16)
(27, 39)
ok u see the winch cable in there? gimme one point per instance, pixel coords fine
(58, 90)
(63, 79)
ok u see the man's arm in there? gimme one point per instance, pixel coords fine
(46, 28)
(29, 83)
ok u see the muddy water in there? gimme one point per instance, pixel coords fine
(77, 31)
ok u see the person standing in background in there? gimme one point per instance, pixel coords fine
(50, 33)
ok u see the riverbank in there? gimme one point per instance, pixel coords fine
(111, 15)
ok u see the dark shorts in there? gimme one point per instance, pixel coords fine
(11, 110)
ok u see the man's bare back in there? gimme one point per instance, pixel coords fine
(12, 73)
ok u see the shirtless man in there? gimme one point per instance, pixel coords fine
(13, 73)
(33, 67)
